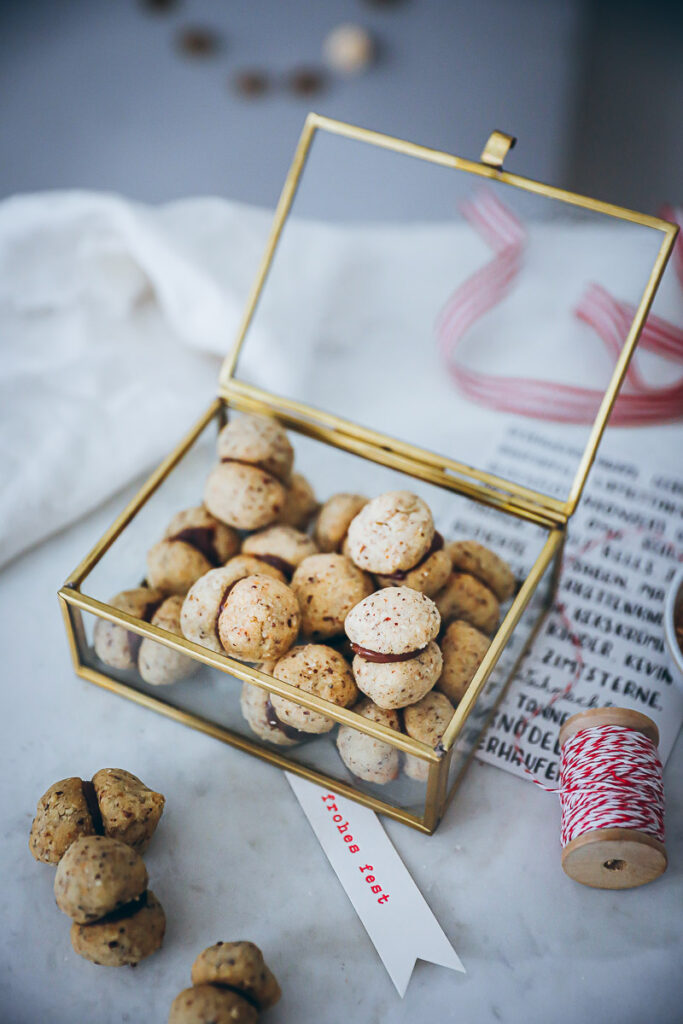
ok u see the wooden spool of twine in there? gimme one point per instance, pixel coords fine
(612, 798)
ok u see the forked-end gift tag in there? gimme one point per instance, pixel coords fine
(393, 911)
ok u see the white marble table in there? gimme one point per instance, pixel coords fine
(235, 858)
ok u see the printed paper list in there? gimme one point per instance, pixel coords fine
(605, 633)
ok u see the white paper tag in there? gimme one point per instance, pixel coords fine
(391, 907)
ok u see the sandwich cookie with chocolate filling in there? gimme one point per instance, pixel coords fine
(463, 648)
(159, 665)
(194, 542)
(124, 937)
(259, 619)
(120, 648)
(367, 758)
(115, 803)
(466, 597)
(392, 633)
(301, 503)
(101, 884)
(239, 966)
(247, 489)
(428, 576)
(327, 587)
(335, 518)
(231, 983)
(393, 536)
(257, 441)
(205, 599)
(318, 669)
(426, 721)
(211, 1004)
(260, 716)
(283, 547)
(96, 876)
(469, 556)
(115, 645)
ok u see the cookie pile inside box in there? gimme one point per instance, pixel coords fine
(359, 601)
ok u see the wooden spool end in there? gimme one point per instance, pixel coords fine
(609, 716)
(613, 858)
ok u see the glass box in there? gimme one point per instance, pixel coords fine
(316, 345)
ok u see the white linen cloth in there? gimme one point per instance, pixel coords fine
(114, 316)
(113, 320)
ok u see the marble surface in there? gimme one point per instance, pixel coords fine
(235, 858)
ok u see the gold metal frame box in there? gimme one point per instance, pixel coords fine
(210, 701)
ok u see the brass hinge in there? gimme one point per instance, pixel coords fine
(496, 149)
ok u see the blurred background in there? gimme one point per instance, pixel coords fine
(159, 99)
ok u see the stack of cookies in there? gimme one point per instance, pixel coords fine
(231, 984)
(95, 831)
(367, 607)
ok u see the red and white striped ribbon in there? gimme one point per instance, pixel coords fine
(638, 402)
(611, 319)
(489, 285)
(610, 777)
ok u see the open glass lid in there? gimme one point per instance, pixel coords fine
(485, 317)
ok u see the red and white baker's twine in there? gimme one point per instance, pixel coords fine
(610, 777)
(611, 319)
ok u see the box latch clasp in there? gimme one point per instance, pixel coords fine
(496, 149)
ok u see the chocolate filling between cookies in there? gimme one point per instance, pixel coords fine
(383, 659)
(277, 563)
(134, 639)
(134, 642)
(400, 574)
(238, 992)
(202, 539)
(90, 797)
(276, 723)
(254, 465)
(221, 606)
(124, 911)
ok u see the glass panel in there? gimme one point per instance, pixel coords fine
(501, 673)
(215, 695)
(446, 332)
(218, 697)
